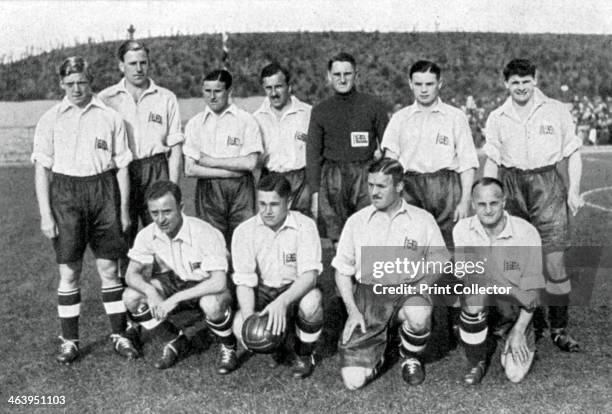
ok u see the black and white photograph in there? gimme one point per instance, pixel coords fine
(272, 206)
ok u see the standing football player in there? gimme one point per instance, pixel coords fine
(433, 142)
(222, 145)
(179, 262)
(277, 258)
(388, 221)
(511, 249)
(284, 119)
(81, 155)
(153, 123)
(344, 134)
(526, 138)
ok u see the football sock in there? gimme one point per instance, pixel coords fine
(68, 309)
(412, 343)
(115, 309)
(473, 331)
(306, 335)
(165, 330)
(558, 313)
(223, 328)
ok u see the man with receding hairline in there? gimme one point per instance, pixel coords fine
(153, 125)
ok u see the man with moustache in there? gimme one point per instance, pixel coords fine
(222, 145)
(343, 136)
(283, 120)
(526, 138)
(511, 249)
(81, 155)
(388, 221)
(153, 125)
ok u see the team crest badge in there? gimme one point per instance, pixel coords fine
(511, 265)
(289, 258)
(233, 141)
(155, 118)
(360, 139)
(442, 139)
(300, 136)
(195, 265)
(547, 130)
(410, 244)
(101, 144)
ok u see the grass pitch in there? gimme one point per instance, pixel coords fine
(103, 382)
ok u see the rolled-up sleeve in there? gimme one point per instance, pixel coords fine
(309, 249)
(175, 133)
(43, 151)
(345, 261)
(141, 251)
(216, 253)
(243, 258)
(571, 141)
(492, 146)
(191, 147)
(391, 137)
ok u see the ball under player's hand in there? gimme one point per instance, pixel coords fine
(48, 227)
(277, 316)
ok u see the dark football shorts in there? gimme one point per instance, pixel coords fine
(171, 283)
(380, 314)
(539, 196)
(344, 191)
(438, 193)
(143, 173)
(503, 314)
(225, 202)
(87, 211)
(299, 189)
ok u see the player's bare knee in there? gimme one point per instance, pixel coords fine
(418, 318)
(70, 274)
(108, 271)
(473, 309)
(213, 307)
(354, 377)
(132, 299)
(311, 305)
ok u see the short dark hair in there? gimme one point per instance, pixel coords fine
(485, 181)
(342, 57)
(75, 64)
(424, 66)
(520, 67)
(275, 182)
(274, 68)
(220, 75)
(131, 45)
(161, 188)
(390, 167)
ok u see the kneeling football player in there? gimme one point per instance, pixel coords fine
(179, 262)
(388, 221)
(512, 251)
(277, 257)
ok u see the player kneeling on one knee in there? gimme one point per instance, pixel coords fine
(388, 221)
(179, 262)
(511, 249)
(277, 257)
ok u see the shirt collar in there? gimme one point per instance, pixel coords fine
(290, 222)
(506, 233)
(539, 98)
(183, 235)
(231, 109)
(438, 106)
(294, 106)
(402, 210)
(66, 104)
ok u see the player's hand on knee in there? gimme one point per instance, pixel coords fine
(355, 319)
(277, 316)
(48, 227)
(575, 202)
